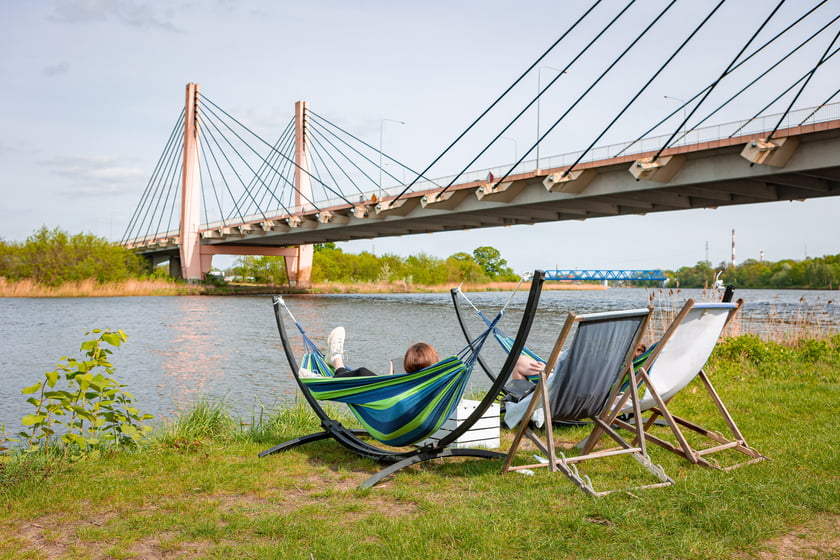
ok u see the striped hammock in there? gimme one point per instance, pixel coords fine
(399, 409)
(506, 341)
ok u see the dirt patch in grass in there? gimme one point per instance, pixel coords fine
(817, 539)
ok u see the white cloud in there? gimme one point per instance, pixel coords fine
(56, 69)
(96, 176)
(126, 12)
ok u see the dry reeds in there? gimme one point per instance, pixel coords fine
(783, 324)
(92, 288)
(807, 320)
(401, 287)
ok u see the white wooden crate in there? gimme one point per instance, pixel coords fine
(484, 433)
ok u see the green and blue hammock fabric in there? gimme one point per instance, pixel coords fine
(506, 341)
(399, 409)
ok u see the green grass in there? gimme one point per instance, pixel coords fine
(198, 489)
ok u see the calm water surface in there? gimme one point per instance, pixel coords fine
(182, 348)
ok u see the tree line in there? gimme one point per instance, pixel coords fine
(53, 257)
(332, 264)
(813, 273)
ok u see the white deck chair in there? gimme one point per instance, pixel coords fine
(597, 363)
(676, 360)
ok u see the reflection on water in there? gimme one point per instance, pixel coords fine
(181, 348)
(193, 357)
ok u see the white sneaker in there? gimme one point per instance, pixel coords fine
(303, 372)
(335, 344)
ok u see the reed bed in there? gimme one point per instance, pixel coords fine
(400, 287)
(786, 325)
(92, 288)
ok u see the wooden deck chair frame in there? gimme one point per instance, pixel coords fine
(567, 465)
(659, 407)
(350, 438)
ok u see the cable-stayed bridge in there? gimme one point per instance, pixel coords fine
(219, 188)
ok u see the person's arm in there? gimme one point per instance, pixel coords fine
(526, 366)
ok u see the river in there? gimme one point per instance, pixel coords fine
(182, 348)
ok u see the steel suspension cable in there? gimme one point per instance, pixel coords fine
(534, 100)
(266, 168)
(274, 178)
(317, 131)
(716, 82)
(167, 183)
(132, 223)
(782, 94)
(813, 71)
(741, 63)
(644, 87)
(502, 96)
(286, 169)
(317, 149)
(386, 156)
(211, 136)
(758, 78)
(593, 84)
(264, 142)
(225, 155)
(147, 192)
(325, 130)
(213, 186)
(175, 176)
(821, 105)
(320, 132)
(250, 195)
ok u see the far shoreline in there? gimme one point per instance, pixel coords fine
(159, 287)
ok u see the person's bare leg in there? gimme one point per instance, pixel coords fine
(335, 347)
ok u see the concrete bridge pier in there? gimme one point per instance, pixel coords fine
(195, 259)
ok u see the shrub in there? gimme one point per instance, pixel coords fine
(93, 409)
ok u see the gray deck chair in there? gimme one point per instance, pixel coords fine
(676, 360)
(597, 364)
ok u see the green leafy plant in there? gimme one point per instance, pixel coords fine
(93, 409)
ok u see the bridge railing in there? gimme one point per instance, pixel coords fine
(743, 127)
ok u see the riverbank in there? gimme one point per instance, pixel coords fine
(159, 287)
(199, 490)
(91, 288)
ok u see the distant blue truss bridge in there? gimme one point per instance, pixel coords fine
(607, 275)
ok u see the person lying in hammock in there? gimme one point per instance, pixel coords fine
(418, 356)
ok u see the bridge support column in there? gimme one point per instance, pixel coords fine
(192, 269)
(299, 266)
(175, 267)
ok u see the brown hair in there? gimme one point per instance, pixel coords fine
(419, 356)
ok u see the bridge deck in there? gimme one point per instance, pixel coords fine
(702, 175)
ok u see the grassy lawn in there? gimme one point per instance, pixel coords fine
(202, 492)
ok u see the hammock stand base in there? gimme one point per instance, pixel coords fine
(424, 455)
(350, 438)
(303, 440)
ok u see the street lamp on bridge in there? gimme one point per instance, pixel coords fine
(539, 90)
(381, 129)
(515, 146)
(685, 119)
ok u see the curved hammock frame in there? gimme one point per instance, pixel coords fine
(351, 439)
(504, 340)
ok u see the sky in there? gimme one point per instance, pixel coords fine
(91, 88)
